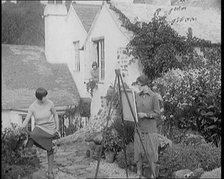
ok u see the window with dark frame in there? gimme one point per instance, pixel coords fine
(77, 55)
(100, 57)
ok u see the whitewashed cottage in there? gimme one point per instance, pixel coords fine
(107, 38)
(65, 33)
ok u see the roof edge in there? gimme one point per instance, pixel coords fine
(92, 25)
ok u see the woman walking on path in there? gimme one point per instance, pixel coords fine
(46, 125)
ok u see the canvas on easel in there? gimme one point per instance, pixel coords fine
(126, 108)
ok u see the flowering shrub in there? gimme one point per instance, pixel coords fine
(12, 144)
(192, 98)
(127, 131)
(90, 86)
(120, 159)
(14, 154)
(191, 157)
(112, 142)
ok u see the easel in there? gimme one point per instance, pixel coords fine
(120, 82)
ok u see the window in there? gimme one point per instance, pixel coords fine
(77, 55)
(100, 56)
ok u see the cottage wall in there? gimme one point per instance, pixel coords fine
(105, 27)
(76, 32)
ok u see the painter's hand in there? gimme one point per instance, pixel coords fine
(142, 115)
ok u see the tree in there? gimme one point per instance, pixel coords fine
(13, 22)
(22, 23)
(157, 45)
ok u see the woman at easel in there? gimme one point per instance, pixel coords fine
(148, 111)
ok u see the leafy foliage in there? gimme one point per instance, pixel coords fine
(112, 96)
(71, 129)
(112, 142)
(181, 156)
(22, 23)
(125, 131)
(192, 97)
(74, 113)
(12, 144)
(16, 159)
(90, 86)
(120, 159)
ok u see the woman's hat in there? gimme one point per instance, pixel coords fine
(143, 80)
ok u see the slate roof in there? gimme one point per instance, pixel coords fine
(206, 26)
(24, 69)
(86, 13)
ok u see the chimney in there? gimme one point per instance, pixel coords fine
(55, 33)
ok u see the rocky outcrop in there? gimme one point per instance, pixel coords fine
(186, 173)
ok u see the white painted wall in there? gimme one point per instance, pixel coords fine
(56, 33)
(60, 33)
(76, 32)
(113, 39)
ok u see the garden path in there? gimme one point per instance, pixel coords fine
(70, 162)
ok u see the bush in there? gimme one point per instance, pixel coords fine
(120, 159)
(90, 86)
(16, 159)
(190, 157)
(70, 130)
(13, 171)
(12, 144)
(128, 129)
(22, 23)
(112, 142)
(192, 98)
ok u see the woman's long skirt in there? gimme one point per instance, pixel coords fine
(151, 144)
